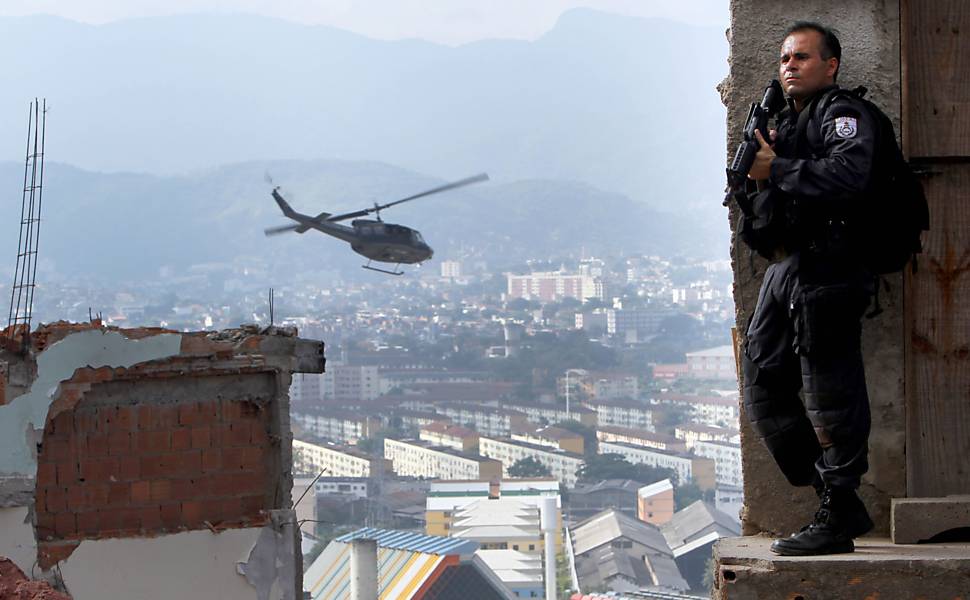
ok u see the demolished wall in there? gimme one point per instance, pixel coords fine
(869, 32)
(168, 453)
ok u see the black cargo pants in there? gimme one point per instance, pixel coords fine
(805, 337)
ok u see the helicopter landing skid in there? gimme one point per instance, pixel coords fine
(370, 268)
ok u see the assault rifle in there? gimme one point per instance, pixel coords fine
(758, 115)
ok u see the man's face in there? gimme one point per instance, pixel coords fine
(802, 69)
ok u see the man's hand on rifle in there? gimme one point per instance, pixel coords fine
(761, 168)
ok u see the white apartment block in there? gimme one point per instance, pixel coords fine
(351, 383)
(562, 465)
(412, 458)
(306, 389)
(713, 411)
(554, 286)
(727, 461)
(486, 421)
(335, 461)
(338, 426)
(686, 468)
(640, 437)
(618, 413)
(692, 433)
(713, 363)
(555, 414)
(450, 436)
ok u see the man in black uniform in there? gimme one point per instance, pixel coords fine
(804, 335)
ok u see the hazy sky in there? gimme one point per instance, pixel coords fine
(444, 21)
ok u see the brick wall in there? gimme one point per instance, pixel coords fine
(150, 450)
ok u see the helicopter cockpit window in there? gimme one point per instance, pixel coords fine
(415, 236)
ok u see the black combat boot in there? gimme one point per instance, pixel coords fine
(826, 534)
(852, 512)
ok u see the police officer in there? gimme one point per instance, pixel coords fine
(805, 333)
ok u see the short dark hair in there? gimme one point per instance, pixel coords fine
(831, 48)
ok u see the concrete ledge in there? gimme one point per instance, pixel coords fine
(747, 570)
(919, 519)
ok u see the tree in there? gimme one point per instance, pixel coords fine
(529, 467)
(613, 466)
(689, 493)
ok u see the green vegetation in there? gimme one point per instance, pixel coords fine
(613, 466)
(529, 467)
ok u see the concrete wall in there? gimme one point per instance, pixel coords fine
(869, 32)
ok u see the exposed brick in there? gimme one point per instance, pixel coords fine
(234, 459)
(181, 439)
(109, 521)
(231, 508)
(144, 419)
(192, 515)
(67, 473)
(106, 417)
(125, 418)
(152, 442)
(46, 474)
(49, 555)
(160, 490)
(96, 444)
(249, 409)
(55, 500)
(130, 519)
(189, 415)
(76, 498)
(87, 523)
(96, 494)
(141, 492)
(259, 436)
(253, 504)
(220, 435)
(211, 460)
(200, 437)
(119, 443)
(120, 494)
(239, 433)
(150, 518)
(99, 471)
(62, 424)
(164, 417)
(44, 525)
(86, 420)
(171, 515)
(129, 468)
(55, 450)
(65, 524)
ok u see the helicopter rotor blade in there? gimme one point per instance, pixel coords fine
(436, 190)
(281, 229)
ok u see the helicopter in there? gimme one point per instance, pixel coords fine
(373, 239)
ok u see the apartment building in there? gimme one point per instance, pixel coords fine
(713, 363)
(713, 411)
(640, 437)
(336, 461)
(450, 436)
(727, 461)
(686, 468)
(553, 437)
(621, 413)
(340, 426)
(551, 414)
(353, 383)
(604, 385)
(562, 465)
(693, 433)
(485, 420)
(415, 458)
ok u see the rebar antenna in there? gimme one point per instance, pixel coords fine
(25, 273)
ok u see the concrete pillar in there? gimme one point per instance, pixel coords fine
(363, 569)
(547, 523)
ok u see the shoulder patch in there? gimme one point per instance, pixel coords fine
(846, 127)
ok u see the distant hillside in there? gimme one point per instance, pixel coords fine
(621, 103)
(129, 226)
